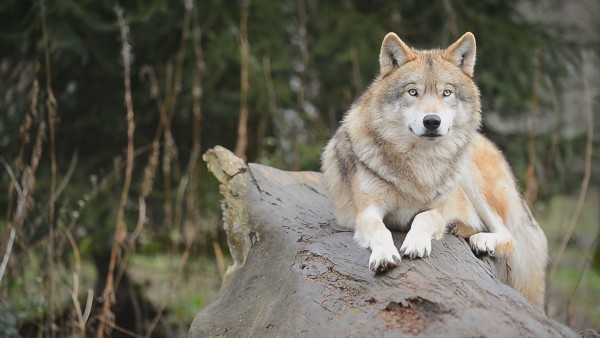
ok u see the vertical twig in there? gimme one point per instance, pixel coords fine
(261, 131)
(120, 228)
(51, 106)
(301, 92)
(304, 53)
(310, 114)
(25, 139)
(24, 198)
(270, 87)
(7, 252)
(242, 133)
(12, 233)
(197, 91)
(28, 179)
(585, 182)
(167, 146)
(129, 246)
(558, 113)
(82, 316)
(170, 149)
(273, 109)
(531, 187)
(220, 260)
(147, 183)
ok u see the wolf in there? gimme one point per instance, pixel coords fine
(408, 156)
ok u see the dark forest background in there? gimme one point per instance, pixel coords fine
(111, 221)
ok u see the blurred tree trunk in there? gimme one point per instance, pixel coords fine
(296, 272)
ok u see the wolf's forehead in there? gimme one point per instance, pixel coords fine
(430, 57)
(429, 65)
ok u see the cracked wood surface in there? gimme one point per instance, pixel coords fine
(296, 272)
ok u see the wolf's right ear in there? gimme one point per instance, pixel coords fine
(462, 53)
(394, 53)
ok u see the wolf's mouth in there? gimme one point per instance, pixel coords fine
(431, 136)
(428, 135)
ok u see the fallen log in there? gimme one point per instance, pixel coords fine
(295, 272)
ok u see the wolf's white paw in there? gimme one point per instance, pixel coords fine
(484, 242)
(383, 260)
(416, 245)
(491, 243)
(384, 254)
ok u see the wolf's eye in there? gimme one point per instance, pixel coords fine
(413, 92)
(446, 92)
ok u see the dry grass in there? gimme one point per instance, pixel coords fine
(49, 286)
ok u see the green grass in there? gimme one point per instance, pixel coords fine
(198, 283)
(28, 296)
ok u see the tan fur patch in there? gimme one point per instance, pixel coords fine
(462, 230)
(489, 161)
(504, 248)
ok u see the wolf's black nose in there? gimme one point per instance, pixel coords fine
(432, 122)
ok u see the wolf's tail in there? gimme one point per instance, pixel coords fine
(529, 260)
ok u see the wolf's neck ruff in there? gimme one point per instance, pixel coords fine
(414, 168)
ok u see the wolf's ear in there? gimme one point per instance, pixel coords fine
(394, 53)
(462, 53)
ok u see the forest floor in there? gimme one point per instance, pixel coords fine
(197, 285)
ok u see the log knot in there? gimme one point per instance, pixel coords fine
(414, 315)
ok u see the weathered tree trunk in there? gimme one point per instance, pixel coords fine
(296, 272)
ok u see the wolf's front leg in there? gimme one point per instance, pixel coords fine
(371, 233)
(427, 225)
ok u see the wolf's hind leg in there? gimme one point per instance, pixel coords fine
(498, 239)
(426, 226)
(371, 233)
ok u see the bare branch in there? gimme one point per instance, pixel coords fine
(120, 229)
(51, 107)
(242, 133)
(9, 246)
(11, 174)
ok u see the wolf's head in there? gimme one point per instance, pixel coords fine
(430, 93)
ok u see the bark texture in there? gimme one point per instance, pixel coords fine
(296, 272)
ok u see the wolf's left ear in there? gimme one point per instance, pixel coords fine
(462, 53)
(394, 53)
